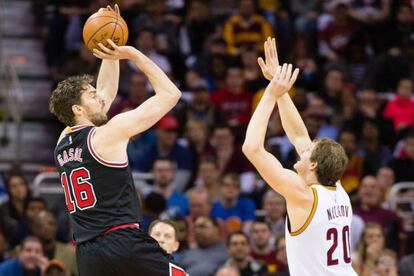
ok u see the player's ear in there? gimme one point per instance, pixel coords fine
(76, 109)
(313, 166)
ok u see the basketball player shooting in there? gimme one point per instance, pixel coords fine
(318, 208)
(92, 161)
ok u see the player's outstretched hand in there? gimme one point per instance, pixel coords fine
(109, 8)
(116, 53)
(271, 62)
(283, 79)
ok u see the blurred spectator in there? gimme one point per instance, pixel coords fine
(386, 179)
(26, 227)
(252, 75)
(209, 177)
(402, 25)
(354, 170)
(305, 16)
(11, 212)
(386, 263)
(200, 108)
(166, 147)
(406, 265)
(177, 203)
(371, 244)
(304, 58)
(337, 34)
(357, 226)
(274, 206)
(145, 42)
(182, 228)
(375, 153)
(262, 250)
(137, 94)
(164, 232)
(281, 256)
(400, 110)
(3, 247)
(29, 262)
(45, 228)
(239, 255)
(246, 29)
(227, 152)
(333, 85)
(236, 212)
(208, 244)
(153, 205)
(356, 60)
(200, 206)
(55, 268)
(403, 165)
(370, 210)
(233, 101)
(227, 270)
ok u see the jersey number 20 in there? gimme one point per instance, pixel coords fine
(77, 184)
(332, 234)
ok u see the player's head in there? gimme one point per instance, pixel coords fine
(75, 100)
(325, 158)
(165, 233)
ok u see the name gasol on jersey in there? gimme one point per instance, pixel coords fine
(72, 154)
(337, 211)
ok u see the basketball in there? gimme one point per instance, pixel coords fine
(103, 25)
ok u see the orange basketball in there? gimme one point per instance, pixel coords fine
(103, 25)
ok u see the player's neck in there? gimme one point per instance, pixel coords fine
(83, 121)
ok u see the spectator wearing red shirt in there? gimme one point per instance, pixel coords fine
(370, 210)
(233, 101)
(336, 36)
(401, 109)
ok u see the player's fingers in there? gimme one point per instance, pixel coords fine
(283, 72)
(294, 77)
(266, 49)
(276, 58)
(288, 73)
(117, 9)
(114, 46)
(105, 49)
(100, 54)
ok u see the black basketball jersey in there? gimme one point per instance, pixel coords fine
(99, 194)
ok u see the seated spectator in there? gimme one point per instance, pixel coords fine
(195, 261)
(354, 170)
(251, 72)
(274, 206)
(200, 108)
(227, 152)
(236, 212)
(281, 256)
(200, 205)
(233, 101)
(11, 212)
(406, 265)
(400, 110)
(333, 85)
(45, 228)
(386, 263)
(371, 244)
(166, 147)
(386, 179)
(177, 203)
(153, 206)
(208, 176)
(26, 227)
(239, 255)
(30, 260)
(370, 210)
(137, 94)
(403, 165)
(55, 268)
(262, 249)
(164, 232)
(335, 37)
(247, 28)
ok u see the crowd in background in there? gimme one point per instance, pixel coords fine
(356, 84)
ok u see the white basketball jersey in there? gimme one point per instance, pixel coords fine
(321, 246)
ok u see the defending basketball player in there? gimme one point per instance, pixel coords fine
(92, 161)
(319, 210)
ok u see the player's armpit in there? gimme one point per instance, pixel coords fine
(286, 182)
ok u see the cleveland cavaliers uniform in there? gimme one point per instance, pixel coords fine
(104, 211)
(321, 246)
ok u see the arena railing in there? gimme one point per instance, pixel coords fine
(403, 203)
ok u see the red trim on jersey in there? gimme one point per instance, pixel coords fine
(78, 127)
(100, 159)
(176, 270)
(122, 226)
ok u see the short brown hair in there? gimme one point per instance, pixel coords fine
(165, 221)
(68, 93)
(331, 159)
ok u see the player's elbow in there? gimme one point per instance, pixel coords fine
(249, 149)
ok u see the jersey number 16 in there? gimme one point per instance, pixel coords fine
(77, 184)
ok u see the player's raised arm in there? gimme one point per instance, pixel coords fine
(108, 77)
(284, 181)
(291, 121)
(128, 124)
